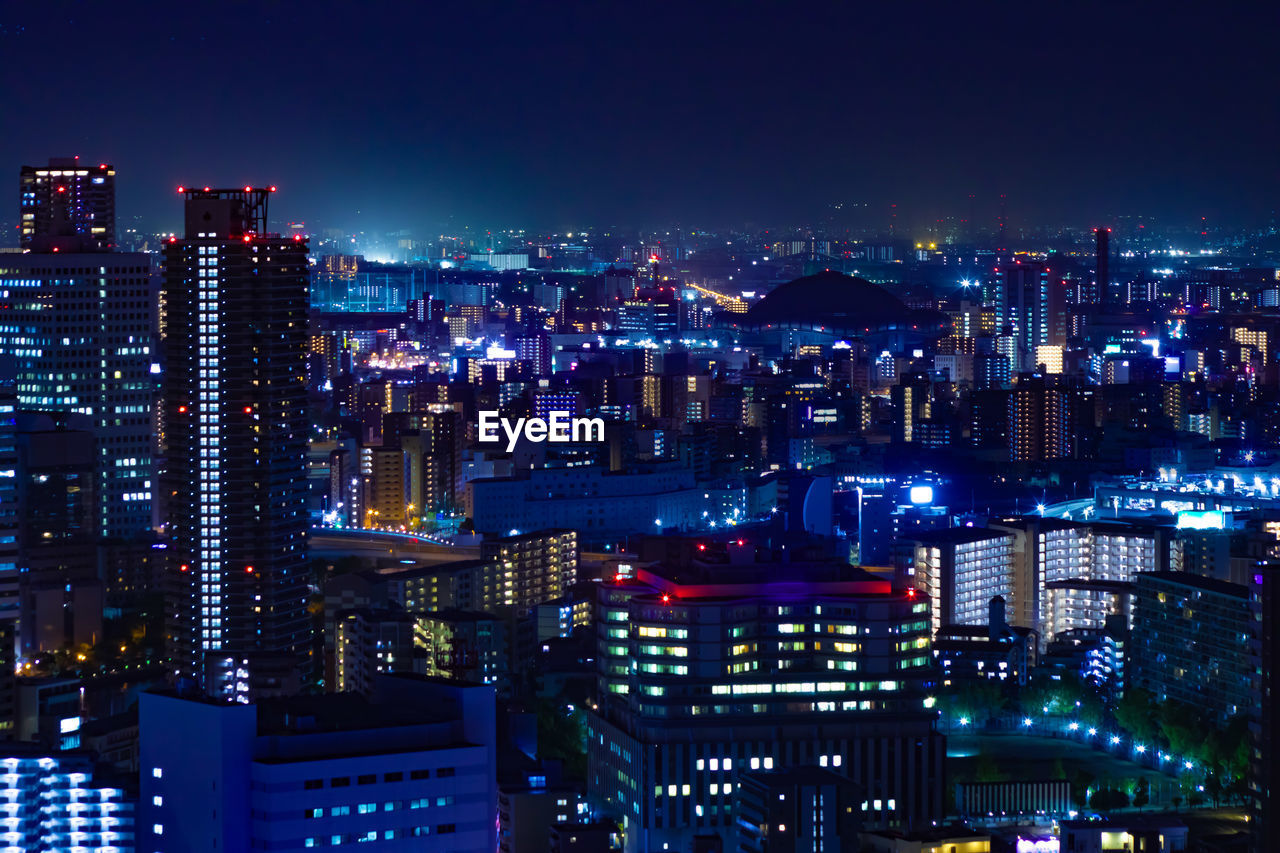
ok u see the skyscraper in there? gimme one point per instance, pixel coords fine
(78, 324)
(68, 193)
(235, 478)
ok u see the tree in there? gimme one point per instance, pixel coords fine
(1136, 714)
(1141, 792)
(1109, 799)
(1080, 787)
(987, 770)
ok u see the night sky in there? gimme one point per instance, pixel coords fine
(382, 115)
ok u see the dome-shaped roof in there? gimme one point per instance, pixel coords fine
(837, 302)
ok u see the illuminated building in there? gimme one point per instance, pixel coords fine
(533, 568)
(1076, 604)
(365, 643)
(1038, 421)
(1031, 304)
(1088, 563)
(996, 651)
(388, 487)
(1254, 339)
(713, 667)
(1190, 642)
(433, 443)
(78, 327)
(912, 402)
(236, 479)
(410, 768)
(52, 805)
(68, 194)
(535, 349)
(1127, 832)
(961, 570)
(466, 645)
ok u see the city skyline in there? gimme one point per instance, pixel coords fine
(609, 428)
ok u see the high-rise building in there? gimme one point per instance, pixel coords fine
(67, 198)
(1038, 421)
(961, 569)
(236, 472)
(1191, 638)
(715, 666)
(1032, 310)
(1264, 763)
(78, 326)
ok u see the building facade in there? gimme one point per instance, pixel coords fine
(236, 426)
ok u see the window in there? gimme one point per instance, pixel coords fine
(420, 774)
(367, 779)
(312, 784)
(393, 777)
(444, 772)
(314, 813)
(340, 782)
(444, 829)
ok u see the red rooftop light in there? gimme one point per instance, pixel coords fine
(666, 599)
(182, 189)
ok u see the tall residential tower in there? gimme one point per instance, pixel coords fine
(235, 478)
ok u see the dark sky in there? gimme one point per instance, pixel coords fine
(375, 115)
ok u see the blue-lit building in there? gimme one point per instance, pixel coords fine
(411, 769)
(52, 804)
(78, 326)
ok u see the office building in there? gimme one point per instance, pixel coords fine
(67, 197)
(78, 328)
(412, 768)
(1190, 643)
(716, 665)
(236, 425)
